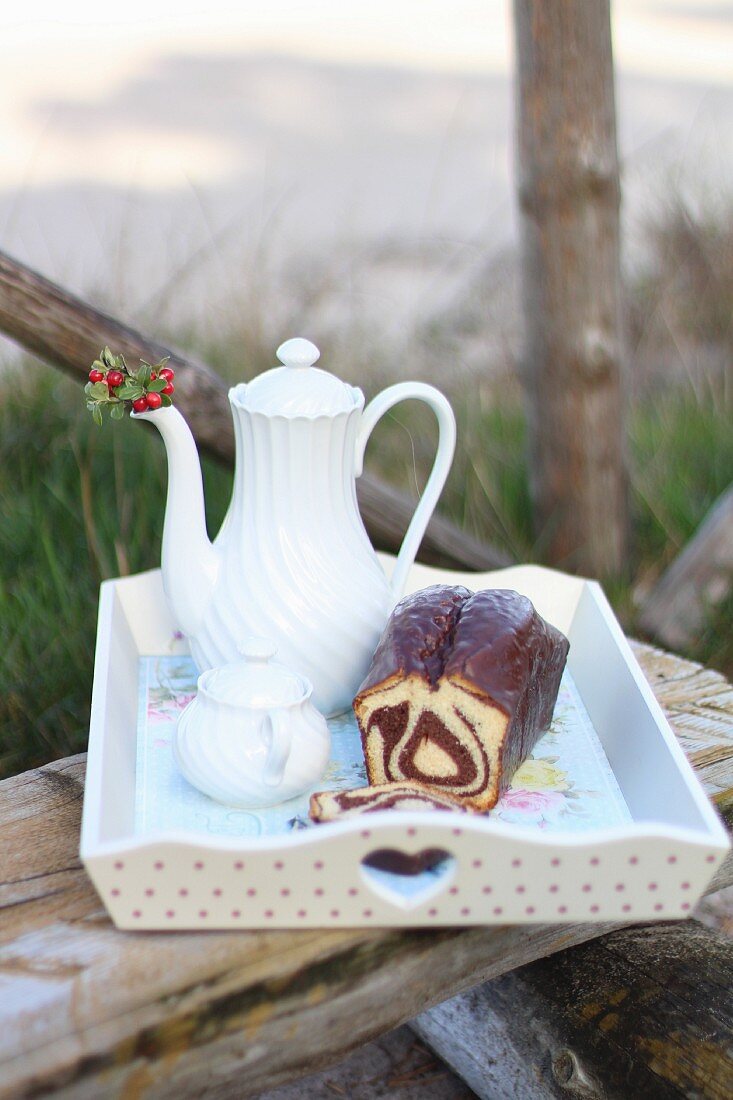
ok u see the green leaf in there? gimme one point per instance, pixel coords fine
(98, 365)
(97, 414)
(117, 411)
(143, 373)
(91, 406)
(108, 359)
(129, 390)
(166, 401)
(100, 391)
(88, 388)
(157, 386)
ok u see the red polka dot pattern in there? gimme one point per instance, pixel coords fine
(521, 899)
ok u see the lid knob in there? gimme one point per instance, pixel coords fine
(257, 649)
(298, 353)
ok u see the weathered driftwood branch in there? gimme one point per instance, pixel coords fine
(640, 1012)
(68, 333)
(696, 582)
(87, 1011)
(568, 189)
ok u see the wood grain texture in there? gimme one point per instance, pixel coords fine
(568, 192)
(641, 1012)
(68, 333)
(696, 582)
(88, 1011)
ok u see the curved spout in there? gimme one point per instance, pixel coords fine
(189, 561)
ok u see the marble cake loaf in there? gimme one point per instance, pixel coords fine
(460, 688)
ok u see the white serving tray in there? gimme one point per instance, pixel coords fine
(656, 866)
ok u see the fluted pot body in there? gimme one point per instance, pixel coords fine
(294, 560)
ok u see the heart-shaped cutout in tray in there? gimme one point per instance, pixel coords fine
(408, 879)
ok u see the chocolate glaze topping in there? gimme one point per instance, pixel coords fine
(499, 644)
(417, 635)
(494, 639)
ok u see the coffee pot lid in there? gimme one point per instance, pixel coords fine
(256, 680)
(298, 388)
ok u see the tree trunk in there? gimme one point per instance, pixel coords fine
(568, 189)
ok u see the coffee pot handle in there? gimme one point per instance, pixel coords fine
(376, 408)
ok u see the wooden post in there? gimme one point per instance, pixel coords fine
(568, 188)
(696, 583)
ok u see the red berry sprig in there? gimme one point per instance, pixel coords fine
(112, 385)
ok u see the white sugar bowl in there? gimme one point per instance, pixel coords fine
(252, 737)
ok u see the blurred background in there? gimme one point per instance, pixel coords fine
(228, 176)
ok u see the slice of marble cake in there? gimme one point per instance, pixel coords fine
(460, 689)
(336, 805)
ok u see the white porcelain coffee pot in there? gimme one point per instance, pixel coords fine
(292, 560)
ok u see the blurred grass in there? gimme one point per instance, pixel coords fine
(78, 504)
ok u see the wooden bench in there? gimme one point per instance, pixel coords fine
(87, 1011)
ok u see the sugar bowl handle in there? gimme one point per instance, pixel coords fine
(376, 408)
(280, 745)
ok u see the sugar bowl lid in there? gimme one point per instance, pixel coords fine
(298, 387)
(256, 680)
